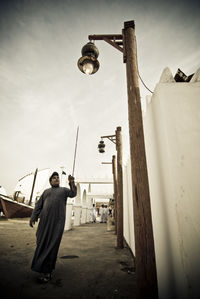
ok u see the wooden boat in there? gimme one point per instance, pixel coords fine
(27, 192)
(14, 209)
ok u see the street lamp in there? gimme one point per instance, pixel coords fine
(101, 146)
(88, 63)
(118, 183)
(146, 276)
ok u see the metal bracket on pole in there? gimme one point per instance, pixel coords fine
(114, 40)
(111, 138)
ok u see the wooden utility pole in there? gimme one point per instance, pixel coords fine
(115, 190)
(34, 179)
(120, 189)
(117, 139)
(146, 277)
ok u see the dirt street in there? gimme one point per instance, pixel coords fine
(89, 266)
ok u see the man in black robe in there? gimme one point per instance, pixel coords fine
(51, 207)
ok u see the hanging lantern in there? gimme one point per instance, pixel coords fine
(101, 147)
(88, 63)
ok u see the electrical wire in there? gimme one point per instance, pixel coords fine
(138, 69)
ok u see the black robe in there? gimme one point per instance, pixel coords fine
(51, 207)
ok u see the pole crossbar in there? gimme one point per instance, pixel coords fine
(115, 40)
(108, 136)
(111, 138)
(102, 36)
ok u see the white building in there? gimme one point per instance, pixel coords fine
(172, 141)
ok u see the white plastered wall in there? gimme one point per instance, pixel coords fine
(172, 140)
(128, 207)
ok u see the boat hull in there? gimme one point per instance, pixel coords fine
(13, 209)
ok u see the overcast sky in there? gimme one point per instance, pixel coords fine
(44, 96)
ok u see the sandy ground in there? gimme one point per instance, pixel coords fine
(89, 266)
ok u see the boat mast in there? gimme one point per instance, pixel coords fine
(34, 179)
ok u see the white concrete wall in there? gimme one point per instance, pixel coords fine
(128, 207)
(77, 206)
(84, 208)
(89, 208)
(68, 220)
(172, 138)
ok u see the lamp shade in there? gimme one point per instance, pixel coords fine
(90, 50)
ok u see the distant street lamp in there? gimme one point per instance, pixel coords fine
(117, 139)
(101, 146)
(146, 276)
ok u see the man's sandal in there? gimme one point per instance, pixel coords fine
(45, 278)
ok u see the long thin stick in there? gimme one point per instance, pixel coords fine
(75, 151)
